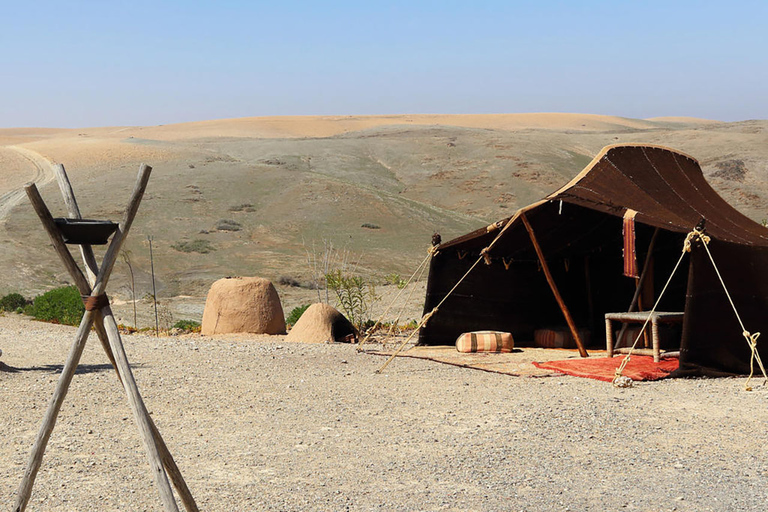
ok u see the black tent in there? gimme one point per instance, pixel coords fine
(580, 230)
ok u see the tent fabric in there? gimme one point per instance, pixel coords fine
(580, 230)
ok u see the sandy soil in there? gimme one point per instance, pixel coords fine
(259, 424)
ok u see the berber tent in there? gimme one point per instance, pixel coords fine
(591, 233)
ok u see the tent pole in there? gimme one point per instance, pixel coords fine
(553, 287)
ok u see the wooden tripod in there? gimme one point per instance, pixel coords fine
(99, 315)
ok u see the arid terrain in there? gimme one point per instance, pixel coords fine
(256, 423)
(259, 424)
(261, 196)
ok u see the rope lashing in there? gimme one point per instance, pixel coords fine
(694, 235)
(485, 253)
(93, 303)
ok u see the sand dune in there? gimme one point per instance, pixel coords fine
(328, 126)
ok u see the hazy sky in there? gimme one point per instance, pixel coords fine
(96, 63)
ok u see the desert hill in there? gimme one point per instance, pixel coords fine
(254, 196)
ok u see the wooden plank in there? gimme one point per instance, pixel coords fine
(553, 287)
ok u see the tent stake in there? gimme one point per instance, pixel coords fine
(553, 287)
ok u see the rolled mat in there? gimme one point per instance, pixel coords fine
(604, 368)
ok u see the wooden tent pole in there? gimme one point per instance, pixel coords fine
(89, 259)
(553, 287)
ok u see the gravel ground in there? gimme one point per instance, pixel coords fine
(259, 424)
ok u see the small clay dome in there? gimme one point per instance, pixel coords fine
(322, 323)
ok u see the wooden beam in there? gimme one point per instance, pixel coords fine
(553, 287)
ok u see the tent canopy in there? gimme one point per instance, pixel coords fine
(579, 229)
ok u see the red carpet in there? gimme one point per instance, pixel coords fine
(604, 368)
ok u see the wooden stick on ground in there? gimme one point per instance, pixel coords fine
(553, 287)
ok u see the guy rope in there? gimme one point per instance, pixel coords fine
(696, 235)
(484, 256)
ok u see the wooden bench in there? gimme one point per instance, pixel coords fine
(664, 317)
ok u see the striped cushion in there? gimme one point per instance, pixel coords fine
(485, 341)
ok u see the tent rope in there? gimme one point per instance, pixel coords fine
(429, 315)
(483, 255)
(400, 312)
(432, 251)
(619, 380)
(751, 338)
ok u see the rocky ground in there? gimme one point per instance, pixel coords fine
(259, 424)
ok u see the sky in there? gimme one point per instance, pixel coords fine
(101, 63)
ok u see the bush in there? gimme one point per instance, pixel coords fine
(396, 280)
(197, 245)
(187, 325)
(60, 305)
(12, 302)
(295, 314)
(245, 207)
(288, 281)
(354, 295)
(228, 225)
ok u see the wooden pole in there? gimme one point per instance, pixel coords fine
(146, 426)
(49, 421)
(89, 259)
(553, 287)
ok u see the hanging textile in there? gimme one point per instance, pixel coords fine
(630, 253)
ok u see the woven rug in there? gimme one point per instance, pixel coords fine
(604, 368)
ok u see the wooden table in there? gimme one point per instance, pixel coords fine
(640, 317)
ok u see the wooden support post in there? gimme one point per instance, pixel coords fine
(54, 406)
(157, 452)
(89, 260)
(553, 287)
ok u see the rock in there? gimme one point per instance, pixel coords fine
(322, 323)
(243, 304)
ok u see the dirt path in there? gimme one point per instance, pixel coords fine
(43, 174)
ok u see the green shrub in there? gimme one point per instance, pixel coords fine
(12, 302)
(295, 314)
(354, 295)
(396, 280)
(187, 325)
(60, 305)
(197, 245)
